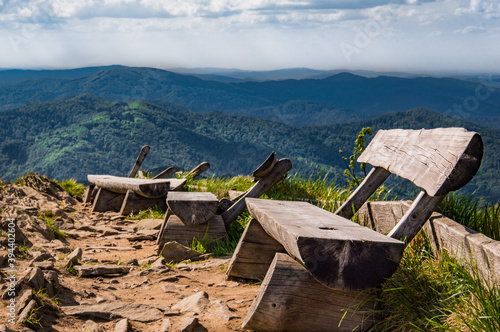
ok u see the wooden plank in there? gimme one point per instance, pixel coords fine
(291, 299)
(279, 170)
(437, 160)
(197, 170)
(163, 225)
(382, 216)
(415, 217)
(144, 187)
(254, 253)
(134, 203)
(176, 184)
(166, 173)
(265, 167)
(140, 159)
(193, 208)
(87, 198)
(235, 194)
(372, 181)
(339, 253)
(176, 230)
(106, 200)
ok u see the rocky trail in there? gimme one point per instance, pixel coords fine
(105, 275)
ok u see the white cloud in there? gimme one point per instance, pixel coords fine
(471, 29)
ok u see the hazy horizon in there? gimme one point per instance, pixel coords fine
(415, 36)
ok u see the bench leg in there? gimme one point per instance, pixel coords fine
(254, 253)
(175, 230)
(134, 203)
(290, 299)
(106, 200)
(87, 198)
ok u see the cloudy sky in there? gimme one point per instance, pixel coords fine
(403, 35)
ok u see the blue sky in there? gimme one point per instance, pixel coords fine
(402, 35)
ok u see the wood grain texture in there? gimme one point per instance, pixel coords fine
(254, 253)
(382, 216)
(144, 187)
(279, 170)
(176, 184)
(413, 220)
(339, 253)
(106, 200)
(87, 198)
(140, 159)
(166, 173)
(193, 208)
(437, 160)
(372, 181)
(204, 166)
(134, 203)
(176, 230)
(265, 167)
(290, 299)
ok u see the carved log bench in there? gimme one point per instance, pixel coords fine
(320, 269)
(193, 214)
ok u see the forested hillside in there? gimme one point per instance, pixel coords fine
(88, 134)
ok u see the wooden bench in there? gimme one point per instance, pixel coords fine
(192, 214)
(330, 284)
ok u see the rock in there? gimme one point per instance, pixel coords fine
(160, 262)
(202, 257)
(110, 311)
(173, 278)
(36, 278)
(166, 326)
(73, 258)
(139, 237)
(148, 224)
(52, 283)
(3, 256)
(4, 328)
(172, 288)
(24, 300)
(99, 300)
(91, 326)
(86, 271)
(195, 303)
(43, 257)
(123, 326)
(47, 265)
(175, 252)
(132, 262)
(222, 310)
(189, 324)
(25, 313)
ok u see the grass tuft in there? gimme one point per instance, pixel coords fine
(72, 187)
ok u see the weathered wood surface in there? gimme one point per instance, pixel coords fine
(276, 174)
(163, 225)
(372, 181)
(234, 195)
(290, 299)
(139, 161)
(193, 208)
(134, 203)
(339, 253)
(254, 253)
(166, 173)
(176, 230)
(382, 216)
(437, 160)
(415, 217)
(87, 198)
(204, 166)
(176, 184)
(144, 187)
(106, 200)
(465, 245)
(265, 167)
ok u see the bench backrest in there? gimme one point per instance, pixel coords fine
(437, 160)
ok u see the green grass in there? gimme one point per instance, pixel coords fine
(72, 187)
(473, 212)
(220, 186)
(152, 213)
(49, 219)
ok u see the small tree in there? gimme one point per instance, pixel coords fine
(359, 146)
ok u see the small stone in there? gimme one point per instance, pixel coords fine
(123, 326)
(132, 262)
(73, 257)
(166, 326)
(24, 300)
(99, 300)
(222, 310)
(91, 326)
(160, 262)
(36, 278)
(194, 303)
(188, 324)
(175, 252)
(150, 224)
(47, 265)
(25, 313)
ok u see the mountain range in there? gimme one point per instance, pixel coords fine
(88, 134)
(330, 100)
